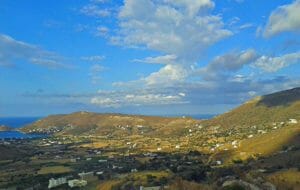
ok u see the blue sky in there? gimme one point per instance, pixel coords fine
(158, 57)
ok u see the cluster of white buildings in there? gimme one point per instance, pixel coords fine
(77, 183)
(63, 180)
(57, 182)
(73, 182)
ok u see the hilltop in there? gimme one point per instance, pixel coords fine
(87, 123)
(277, 107)
(263, 126)
(5, 128)
(264, 110)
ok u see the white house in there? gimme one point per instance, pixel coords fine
(218, 162)
(77, 183)
(293, 121)
(84, 175)
(56, 182)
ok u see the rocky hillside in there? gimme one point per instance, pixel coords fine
(277, 107)
(86, 123)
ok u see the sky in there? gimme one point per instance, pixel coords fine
(152, 57)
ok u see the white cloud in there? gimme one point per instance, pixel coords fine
(284, 19)
(12, 51)
(165, 59)
(105, 102)
(150, 99)
(167, 76)
(233, 21)
(95, 11)
(273, 64)
(136, 98)
(246, 26)
(223, 65)
(164, 27)
(192, 7)
(181, 30)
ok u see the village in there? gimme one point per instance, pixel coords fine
(62, 162)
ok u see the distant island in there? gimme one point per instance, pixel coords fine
(5, 128)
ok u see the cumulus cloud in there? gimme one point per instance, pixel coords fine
(136, 98)
(167, 76)
(273, 64)
(284, 19)
(165, 27)
(105, 102)
(12, 51)
(165, 59)
(192, 7)
(223, 65)
(181, 32)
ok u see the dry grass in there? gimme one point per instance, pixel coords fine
(263, 145)
(36, 161)
(107, 185)
(254, 113)
(289, 179)
(269, 143)
(180, 184)
(142, 176)
(98, 144)
(54, 170)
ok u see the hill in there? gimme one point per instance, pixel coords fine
(5, 128)
(277, 107)
(264, 126)
(87, 123)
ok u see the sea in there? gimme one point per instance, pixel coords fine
(17, 122)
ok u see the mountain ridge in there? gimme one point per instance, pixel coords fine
(5, 128)
(276, 107)
(108, 124)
